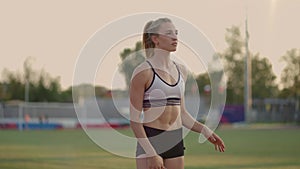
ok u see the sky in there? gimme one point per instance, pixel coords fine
(54, 32)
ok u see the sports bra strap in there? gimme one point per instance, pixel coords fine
(150, 66)
(154, 70)
(177, 67)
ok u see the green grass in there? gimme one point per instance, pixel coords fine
(72, 149)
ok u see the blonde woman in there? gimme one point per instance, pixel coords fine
(157, 92)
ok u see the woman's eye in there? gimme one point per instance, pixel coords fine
(171, 33)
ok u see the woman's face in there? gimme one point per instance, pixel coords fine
(167, 38)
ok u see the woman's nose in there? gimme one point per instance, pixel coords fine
(174, 37)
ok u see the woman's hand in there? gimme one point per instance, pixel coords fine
(213, 138)
(217, 141)
(155, 162)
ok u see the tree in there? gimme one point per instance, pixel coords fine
(234, 65)
(13, 85)
(66, 95)
(40, 86)
(131, 58)
(290, 77)
(100, 91)
(203, 82)
(46, 88)
(3, 91)
(263, 78)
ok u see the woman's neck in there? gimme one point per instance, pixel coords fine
(161, 58)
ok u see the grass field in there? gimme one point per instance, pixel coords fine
(72, 149)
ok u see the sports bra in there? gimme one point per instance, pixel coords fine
(160, 93)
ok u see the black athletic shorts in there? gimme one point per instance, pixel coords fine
(167, 144)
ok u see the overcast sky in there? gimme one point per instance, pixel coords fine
(53, 32)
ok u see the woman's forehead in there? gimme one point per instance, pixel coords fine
(167, 26)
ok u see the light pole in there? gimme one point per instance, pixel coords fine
(27, 71)
(247, 77)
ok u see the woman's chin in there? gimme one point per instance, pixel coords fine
(173, 50)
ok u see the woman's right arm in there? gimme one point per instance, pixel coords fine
(137, 88)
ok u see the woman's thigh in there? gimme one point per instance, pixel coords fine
(174, 163)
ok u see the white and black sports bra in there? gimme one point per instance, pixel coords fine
(160, 93)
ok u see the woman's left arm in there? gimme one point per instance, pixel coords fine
(189, 122)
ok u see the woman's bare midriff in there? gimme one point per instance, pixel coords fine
(164, 118)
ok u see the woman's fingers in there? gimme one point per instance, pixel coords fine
(218, 142)
(222, 147)
(219, 145)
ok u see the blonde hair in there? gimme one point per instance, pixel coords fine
(151, 29)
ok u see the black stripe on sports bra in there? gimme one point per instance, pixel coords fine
(173, 101)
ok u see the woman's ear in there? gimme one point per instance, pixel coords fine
(154, 39)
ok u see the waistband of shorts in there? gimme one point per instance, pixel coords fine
(150, 131)
(161, 130)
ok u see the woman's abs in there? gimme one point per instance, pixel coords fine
(165, 118)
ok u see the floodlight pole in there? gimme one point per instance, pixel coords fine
(26, 78)
(247, 77)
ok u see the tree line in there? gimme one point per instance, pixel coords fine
(41, 86)
(44, 88)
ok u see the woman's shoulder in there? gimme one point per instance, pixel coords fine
(143, 67)
(182, 68)
(142, 70)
